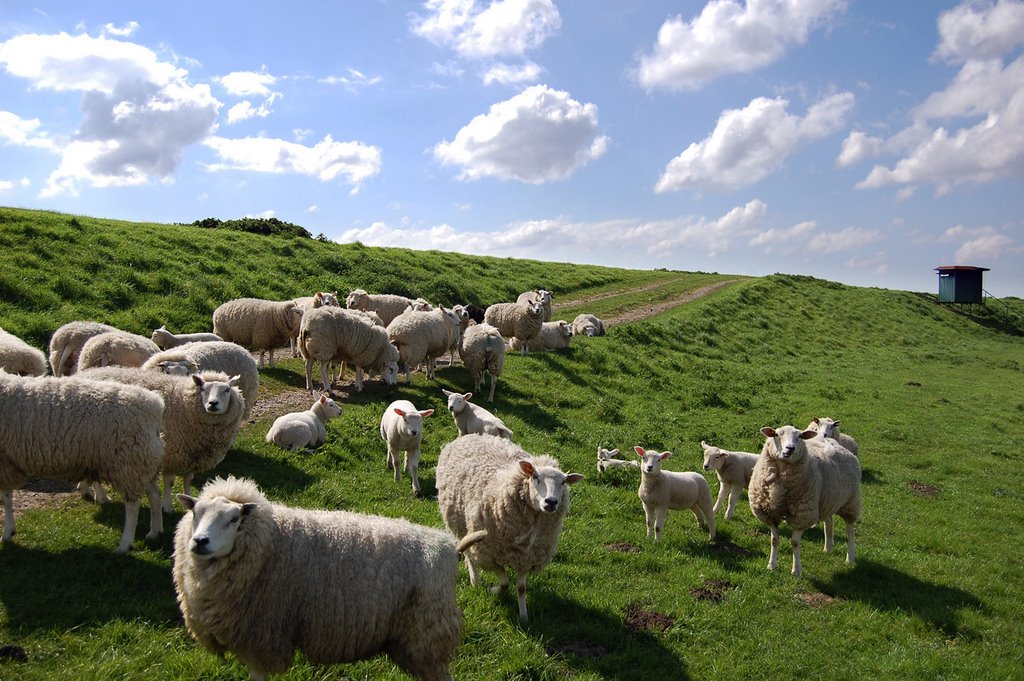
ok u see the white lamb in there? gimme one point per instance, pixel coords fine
(166, 340)
(826, 427)
(20, 358)
(319, 299)
(387, 305)
(541, 295)
(606, 459)
(262, 580)
(473, 419)
(423, 337)
(77, 428)
(803, 480)
(333, 334)
(663, 490)
(257, 324)
(587, 325)
(733, 470)
(401, 428)
(482, 352)
(490, 484)
(229, 358)
(521, 320)
(304, 429)
(462, 313)
(116, 348)
(552, 336)
(66, 344)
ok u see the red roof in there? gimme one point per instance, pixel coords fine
(954, 268)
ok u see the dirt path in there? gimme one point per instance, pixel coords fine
(611, 294)
(646, 311)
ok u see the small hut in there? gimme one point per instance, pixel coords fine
(960, 284)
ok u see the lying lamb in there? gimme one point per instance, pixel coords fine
(401, 428)
(472, 418)
(606, 459)
(304, 429)
(587, 325)
(552, 336)
(663, 490)
(166, 340)
(733, 470)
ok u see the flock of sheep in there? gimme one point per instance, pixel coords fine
(121, 409)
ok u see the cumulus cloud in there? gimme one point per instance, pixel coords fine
(786, 240)
(980, 244)
(512, 74)
(976, 30)
(249, 84)
(856, 147)
(730, 37)
(539, 135)
(121, 31)
(503, 28)
(848, 239)
(8, 185)
(23, 132)
(245, 110)
(750, 143)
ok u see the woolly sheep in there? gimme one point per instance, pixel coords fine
(66, 344)
(387, 305)
(476, 313)
(333, 334)
(826, 427)
(257, 324)
(485, 483)
(166, 340)
(733, 470)
(319, 299)
(76, 428)
(606, 459)
(482, 351)
(422, 337)
(803, 480)
(401, 428)
(587, 325)
(522, 320)
(421, 305)
(229, 358)
(552, 336)
(541, 295)
(301, 429)
(472, 418)
(262, 580)
(663, 490)
(20, 358)
(116, 348)
(464, 321)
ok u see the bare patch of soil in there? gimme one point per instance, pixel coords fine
(646, 311)
(816, 599)
(638, 618)
(578, 648)
(43, 493)
(922, 489)
(272, 406)
(623, 547)
(730, 548)
(713, 590)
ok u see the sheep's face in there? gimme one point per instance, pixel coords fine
(713, 458)
(161, 337)
(390, 373)
(215, 525)
(549, 487)
(356, 300)
(462, 313)
(564, 329)
(786, 442)
(650, 460)
(605, 454)
(828, 428)
(326, 407)
(215, 396)
(457, 402)
(413, 420)
(536, 309)
(325, 299)
(181, 367)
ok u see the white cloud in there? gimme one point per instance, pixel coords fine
(313, 209)
(8, 185)
(787, 240)
(980, 244)
(121, 31)
(856, 147)
(503, 28)
(980, 30)
(979, 88)
(245, 110)
(266, 215)
(730, 37)
(23, 132)
(750, 143)
(848, 239)
(248, 83)
(512, 74)
(539, 135)
(354, 81)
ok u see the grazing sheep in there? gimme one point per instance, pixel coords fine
(473, 419)
(606, 459)
(663, 490)
(333, 334)
(521, 320)
(116, 348)
(387, 305)
(302, 429)
(587, 325)
(482, 350)
(552, 336)
(166, 340)
(76, 428)
(826, 427)
(423, 337)
(257, 324)
(803, 479)
(229, 358)
(541, 295)
(401, 428)
(490, 484)
(66, 344)
(262, 580)
(319, 299)
(733, 470)
(19, 358)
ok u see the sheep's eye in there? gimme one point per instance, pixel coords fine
(233, 520)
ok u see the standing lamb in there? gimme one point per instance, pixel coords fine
(387, 305)
(663, 490)
(257, 324)
(423, 337)
(473, 419)
(802, 479)
(166, 340)
(482, 350)
(490, 484)
(826, 427)
(263, 580)
(229, 358)
(587, 325)
(401, 428)
(66, 344)
(522, 320)
(332, 334)
(463, 315)
(541, 295)
(76, 428)
(733, 470)
(552, 336)
(19, 358)
(302, 429)
(116, 348)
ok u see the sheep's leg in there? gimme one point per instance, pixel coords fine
(7, 496)
(473, 575)
(261, 359)
(99, 494)
(521, 594)
(408, 374)
(168, 507)
(186, 482)
(156, 518)
(773, 557)
(795, 541)
(431, 366)
(324, 374)
(359, 379)
(722, 492)
(131, 519)
(271, 352)
(649, 517)
(502, 583)
(309, 374)
(828, 534)
(851, 539)
(490, 395)
(734, 496)
(662, 514)
(412, 467)
(391, 462)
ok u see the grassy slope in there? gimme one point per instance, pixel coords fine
(932, 397)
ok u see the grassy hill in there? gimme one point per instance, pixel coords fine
(932, 396)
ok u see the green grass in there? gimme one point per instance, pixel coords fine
(933, 397)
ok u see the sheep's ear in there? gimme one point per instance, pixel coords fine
(233, 381)
(163, 327)
(248, 508)
(447, 393)
(400, 412)
(466, 396)
(640, 451)
(613, 452)
(323, 399)
(705, 445)
(599, 450)
(768, 432)
(665, 455)
(527, 467)
(426, 412)
(835, 423)
(808, 434)
(198, 380)
(573, 478)
(815, 420)
(187, 502)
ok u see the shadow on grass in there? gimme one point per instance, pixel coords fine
(288, 376)
(872, 477)
(277, 477)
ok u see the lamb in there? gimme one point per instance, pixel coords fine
(229, 358)
(66, 344)
(387, 305)
(116, 348)
(826, 427)
(540, 295)
(803, 479)
(606, 459)
(587, 325)
(257, 324)
(332, 334)
(301, 429)
(663, 490)
(76, 428)
(552, 336)
(319, 299)
(422, 337)
(166, 340)
(482, 350)
(401, 428)
(19, 358)
(473, 419)
(262, 580)
(733, 470)
(522, 320)
(485, 483)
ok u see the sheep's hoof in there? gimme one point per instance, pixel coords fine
(154, 536)
(496, 589)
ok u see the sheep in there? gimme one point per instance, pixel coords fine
(733, 470)
(229, 358)
(19, 358)
(202, 415)
(262, 580)
(803, 479)
(663, 490)
(826, 427)
(476, 313)
(387, 305)
(472, 418)
(422, 337)
(116, 348)
(482, 350)
(552, 336)
(401, 428)
(66, 344)
(333, 334)
(420, 305)
(522, 320)
(301, 429)
(540, 295)
(464, 321)
(319, 299)
(166, 340)
(485, 483)
(257, 324)
(606, 459)
(587, 325)
(76, 428)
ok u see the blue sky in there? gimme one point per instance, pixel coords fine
(860, 141)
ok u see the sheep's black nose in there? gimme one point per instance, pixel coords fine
(550, 504)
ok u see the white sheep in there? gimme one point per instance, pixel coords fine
(541, 295)
(663, 490)
(229, 358)
(319, 299)
(521, 320)
(482, 352)
(485, 483)
(20, 358)
(387, 305)
(66, 344)
(552, 336)
(462, 313)
(116, 348)
(606, 459)
(733, 470)
(401, 428)
(421, 305)
(333, 334)
(472, 418)
(803, 480)
(76, 428)
(826, 427)
(423, 337)
(587, 325)
(257, 324)
(166, 340)
(262, 580)
(302, 429)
